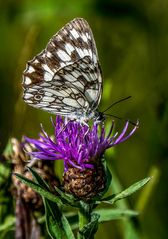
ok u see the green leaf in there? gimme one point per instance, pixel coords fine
(66, 226)
(68, 198)
(127, 192)
(73, 219)
(38, 188)
(38, 179)
(57, 224)
(107, 214)
(90, 229)
(53, 222)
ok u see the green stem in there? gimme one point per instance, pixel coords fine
(83, 218)
(84, 215)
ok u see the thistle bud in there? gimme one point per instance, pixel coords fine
(84, 184)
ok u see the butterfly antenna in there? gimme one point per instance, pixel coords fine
(123, 99)
(120, 118)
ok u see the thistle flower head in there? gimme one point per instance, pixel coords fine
(78, 145)
(81, 147)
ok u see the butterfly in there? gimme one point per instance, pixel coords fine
(65, 78)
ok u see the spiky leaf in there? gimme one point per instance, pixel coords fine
(38, 188)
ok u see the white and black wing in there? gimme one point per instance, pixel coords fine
(66, 76)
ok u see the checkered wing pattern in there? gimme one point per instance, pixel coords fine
(65, 78)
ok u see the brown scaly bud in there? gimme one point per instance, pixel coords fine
(27, 200)
(20, 160)
(85, 184)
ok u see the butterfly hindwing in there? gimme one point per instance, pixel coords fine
(37, 71)
(74, 87)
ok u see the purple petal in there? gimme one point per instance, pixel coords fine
(75, 143)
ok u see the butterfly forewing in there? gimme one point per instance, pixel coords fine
(65, 77)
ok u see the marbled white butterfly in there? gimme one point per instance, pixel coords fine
(65, 78)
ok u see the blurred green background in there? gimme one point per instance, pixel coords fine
(132, 41)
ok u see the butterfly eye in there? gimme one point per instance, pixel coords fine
(38, 97)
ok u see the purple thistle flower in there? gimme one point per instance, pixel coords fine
(80, 146)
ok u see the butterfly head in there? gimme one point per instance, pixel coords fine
(85, 117)
(99, 117)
